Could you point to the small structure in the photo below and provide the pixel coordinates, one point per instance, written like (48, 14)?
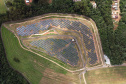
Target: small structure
(114, 14)
(107, 60)
(27, 2)
(93, 4)
(73, 40)
(115, 5)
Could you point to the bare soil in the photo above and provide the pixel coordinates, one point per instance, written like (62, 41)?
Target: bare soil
(51, 77)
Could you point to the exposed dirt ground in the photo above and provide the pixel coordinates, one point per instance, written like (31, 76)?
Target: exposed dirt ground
(51, 77)
(51, 33)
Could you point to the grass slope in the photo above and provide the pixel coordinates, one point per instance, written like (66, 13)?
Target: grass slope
(113, 75)
(2, 7)
(31, 65)
(8, 75)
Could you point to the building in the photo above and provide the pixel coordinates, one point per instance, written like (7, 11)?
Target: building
(73, 40)
(115, 5)
(114, 16)
(115, 12)
(107, 60)
(93, 4)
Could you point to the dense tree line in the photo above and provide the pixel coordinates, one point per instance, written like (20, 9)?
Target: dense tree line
(120, 33)
(102, 17)
(113, 42)
(116, 40)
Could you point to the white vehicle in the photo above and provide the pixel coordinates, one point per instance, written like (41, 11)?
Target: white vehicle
(27, 1)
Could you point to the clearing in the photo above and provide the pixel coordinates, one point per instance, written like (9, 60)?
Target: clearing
(113, 75)
(2, 7)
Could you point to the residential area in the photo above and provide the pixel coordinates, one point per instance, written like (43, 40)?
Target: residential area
(116, 10)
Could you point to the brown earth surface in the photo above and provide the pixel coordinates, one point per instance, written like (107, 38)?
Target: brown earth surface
(51, 77)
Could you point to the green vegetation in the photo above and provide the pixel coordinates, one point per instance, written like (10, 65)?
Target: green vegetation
(111, 48)
(54, 59)
(113, 75)
(51, 34)
(2, 7)
(113, 42)
(25, 60)
(35, 35)
(8, 75)
(51, 31)
(120, 33)
(16, 59)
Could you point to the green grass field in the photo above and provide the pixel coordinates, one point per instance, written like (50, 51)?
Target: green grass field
(114, 75)
(29, 64)
(2, 7)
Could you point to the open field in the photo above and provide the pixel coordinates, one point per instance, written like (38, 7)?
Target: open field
(113, 75)
(2, 7)
(32, 66)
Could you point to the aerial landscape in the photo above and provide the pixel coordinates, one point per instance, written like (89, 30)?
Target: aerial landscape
(63, 41)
